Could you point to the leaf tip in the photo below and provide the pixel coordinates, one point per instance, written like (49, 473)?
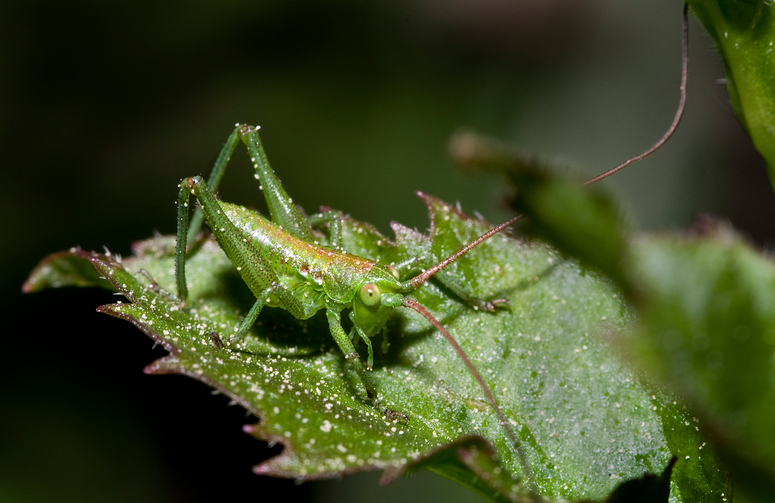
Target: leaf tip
(164, 365)
(262, 469)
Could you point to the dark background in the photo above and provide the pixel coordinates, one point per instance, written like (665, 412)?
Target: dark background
(105, 106)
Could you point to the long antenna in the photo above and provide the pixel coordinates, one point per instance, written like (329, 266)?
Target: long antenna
(426, 275)
(412, 304)
(678, 113)
(429, 273)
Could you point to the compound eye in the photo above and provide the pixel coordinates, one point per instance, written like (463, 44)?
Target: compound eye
(370, 294)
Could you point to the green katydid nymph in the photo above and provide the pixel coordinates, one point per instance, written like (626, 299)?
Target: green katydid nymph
(285, 267)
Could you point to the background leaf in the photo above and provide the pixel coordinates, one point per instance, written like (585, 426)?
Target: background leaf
(744, 32)
(708, 311)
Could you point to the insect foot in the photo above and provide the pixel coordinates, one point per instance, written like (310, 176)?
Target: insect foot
(394, 415)
(494, 305)
(216, 340)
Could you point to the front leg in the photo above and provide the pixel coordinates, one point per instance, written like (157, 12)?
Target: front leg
(458, 286)
(463, 290)
(334, 220)
(346, 345)
(366, 339)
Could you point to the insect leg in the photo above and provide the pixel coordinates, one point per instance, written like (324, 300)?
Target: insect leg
(366, 339)
(252, 266)
(408, 266)
(215, 180)
(252, 315)
(458, 286)
(370, 361)
(181, 243)
(462, 290)
(334, 221)
(281, 208)
(346, 345)
(385, 341)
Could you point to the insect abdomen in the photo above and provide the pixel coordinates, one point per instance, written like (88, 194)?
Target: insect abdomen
(303, 267)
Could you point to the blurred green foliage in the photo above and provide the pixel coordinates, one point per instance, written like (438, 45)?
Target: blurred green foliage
(744, 33)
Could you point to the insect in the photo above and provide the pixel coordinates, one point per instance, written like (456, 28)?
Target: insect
(284, 266)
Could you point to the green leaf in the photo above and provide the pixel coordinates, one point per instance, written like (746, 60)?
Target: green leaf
(744, 31)
(708, 310)
(67, 268)
(585, 422)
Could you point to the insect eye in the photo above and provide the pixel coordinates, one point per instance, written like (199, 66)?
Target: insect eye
(370, 294)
